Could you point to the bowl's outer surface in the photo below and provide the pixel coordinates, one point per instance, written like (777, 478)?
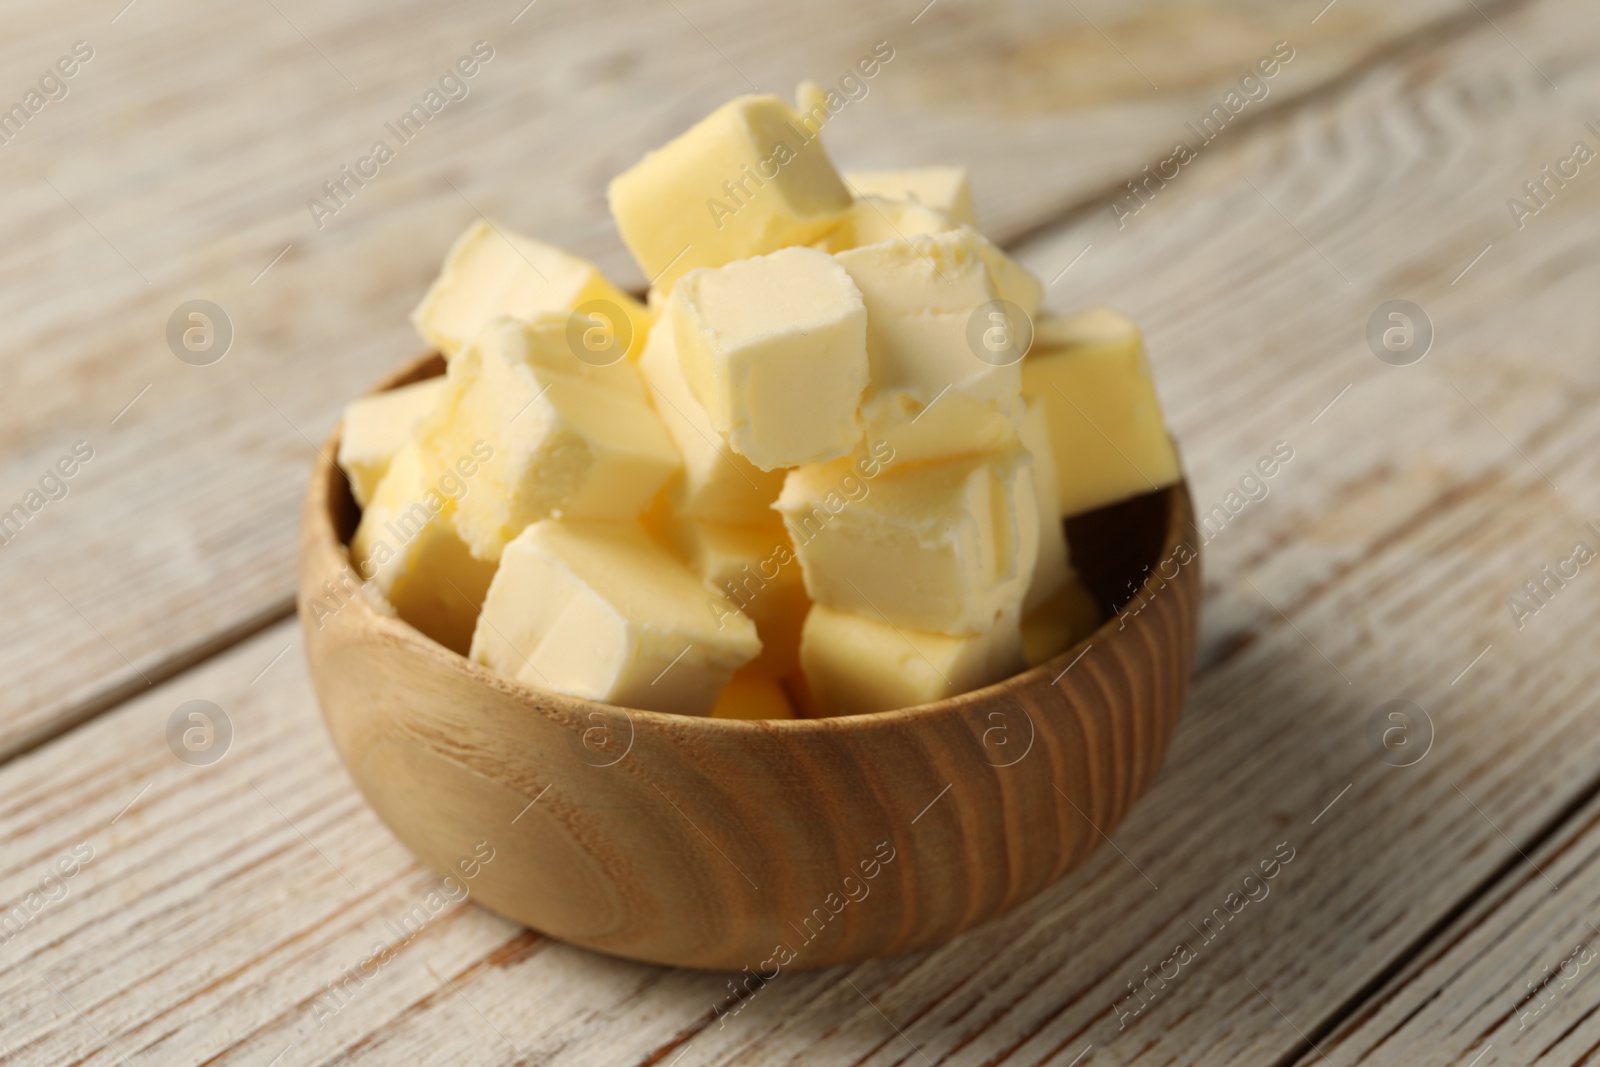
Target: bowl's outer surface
(725, 844)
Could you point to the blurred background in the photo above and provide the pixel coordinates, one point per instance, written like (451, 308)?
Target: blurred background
(1131, 152)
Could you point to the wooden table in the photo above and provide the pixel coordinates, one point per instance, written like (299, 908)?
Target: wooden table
(1441, 902)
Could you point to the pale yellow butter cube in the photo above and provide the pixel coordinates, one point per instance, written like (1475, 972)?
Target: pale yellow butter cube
(571, 440)
(1015, 282)
(749, 178)
(873, 220)
(945, 189)
(752, 569)
(378, 426)
(492, 271)
(599, 610)
(860, 663)
(715, 483)
(1100, 327)
(1100, 401)
(1053, 568)
(775, 348)
(947, 546)
(937, 388)
(753, 694)
(407, 548)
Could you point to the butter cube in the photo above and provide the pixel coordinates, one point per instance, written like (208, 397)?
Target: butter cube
(947, 546)
(751, 569)
(599, 610)
(492, 271)
(860, 663)
(945, 189)
(570, 439)
(406, 547)
(753, 694)
(1068, 616)
(873, 220)
(376, 427)
(1100, 402)
(1100, 327)
(749, 178)
(1053, 568)
(775, 348)
(715, 482)
(936, 389)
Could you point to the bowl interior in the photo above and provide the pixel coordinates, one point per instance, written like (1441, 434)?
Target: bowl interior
(1113, 548)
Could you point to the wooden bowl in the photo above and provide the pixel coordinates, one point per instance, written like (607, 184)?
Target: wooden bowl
(762, 845)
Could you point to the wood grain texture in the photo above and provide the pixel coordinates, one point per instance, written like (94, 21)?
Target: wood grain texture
(242, 890)
(1414, 507)
(758, 846)
(1510, 981)
(181, 162)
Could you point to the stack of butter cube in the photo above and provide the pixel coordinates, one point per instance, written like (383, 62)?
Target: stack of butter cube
(811, 473)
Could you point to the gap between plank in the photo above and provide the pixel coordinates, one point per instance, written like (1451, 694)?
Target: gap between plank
(1550, 829)
(163, 671)
(1435, 35)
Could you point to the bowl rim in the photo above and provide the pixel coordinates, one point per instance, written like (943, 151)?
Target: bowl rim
(324, 536)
